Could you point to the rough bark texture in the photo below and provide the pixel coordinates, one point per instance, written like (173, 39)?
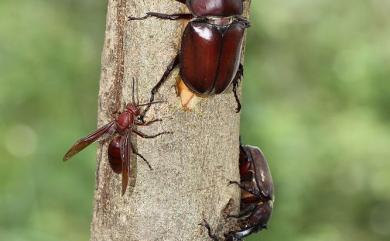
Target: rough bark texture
(192, 167)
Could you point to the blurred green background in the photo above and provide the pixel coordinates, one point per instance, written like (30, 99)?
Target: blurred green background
(316, 99)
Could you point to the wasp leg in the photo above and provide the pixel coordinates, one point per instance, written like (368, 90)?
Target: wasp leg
(143, 135)
(140, 123)
(142, 157)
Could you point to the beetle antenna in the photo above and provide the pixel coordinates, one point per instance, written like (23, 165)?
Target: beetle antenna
(151, 103)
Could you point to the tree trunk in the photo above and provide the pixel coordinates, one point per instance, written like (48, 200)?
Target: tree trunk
(191, 167)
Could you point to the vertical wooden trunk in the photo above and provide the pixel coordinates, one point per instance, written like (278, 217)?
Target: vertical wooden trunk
(191, 168)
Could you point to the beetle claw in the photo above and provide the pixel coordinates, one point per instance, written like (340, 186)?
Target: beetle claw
(207, 226)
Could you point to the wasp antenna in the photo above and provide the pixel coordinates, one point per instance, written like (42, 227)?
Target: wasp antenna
(137, 92)
(132, 94)
(152, 103)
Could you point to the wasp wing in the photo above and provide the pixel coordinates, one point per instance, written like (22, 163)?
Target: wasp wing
(91, 138)
(125, 155)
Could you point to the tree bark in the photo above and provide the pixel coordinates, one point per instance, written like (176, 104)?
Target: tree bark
(191, 167)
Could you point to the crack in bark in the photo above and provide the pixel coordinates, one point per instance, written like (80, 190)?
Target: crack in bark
(120, 54)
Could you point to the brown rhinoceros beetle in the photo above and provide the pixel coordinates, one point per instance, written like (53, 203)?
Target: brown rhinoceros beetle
(210, 54)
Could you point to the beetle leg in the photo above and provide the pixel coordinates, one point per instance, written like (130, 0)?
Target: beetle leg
(236, 81)
(143, 135)
(181, 1)
(243, 213)
(237, 236)
(210, 233)
(175, 16)
(232, 237)
(243, 21)
(243, 188)
(155, 89)
(141, 156)
(140, 123)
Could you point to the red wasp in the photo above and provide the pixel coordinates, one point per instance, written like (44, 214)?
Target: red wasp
(119, 131)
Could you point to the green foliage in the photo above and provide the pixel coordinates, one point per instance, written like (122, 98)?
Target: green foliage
(48, 49)
(316, 99)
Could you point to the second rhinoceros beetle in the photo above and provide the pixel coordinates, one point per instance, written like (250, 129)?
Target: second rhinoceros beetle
(257, 195)
(210, 54)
